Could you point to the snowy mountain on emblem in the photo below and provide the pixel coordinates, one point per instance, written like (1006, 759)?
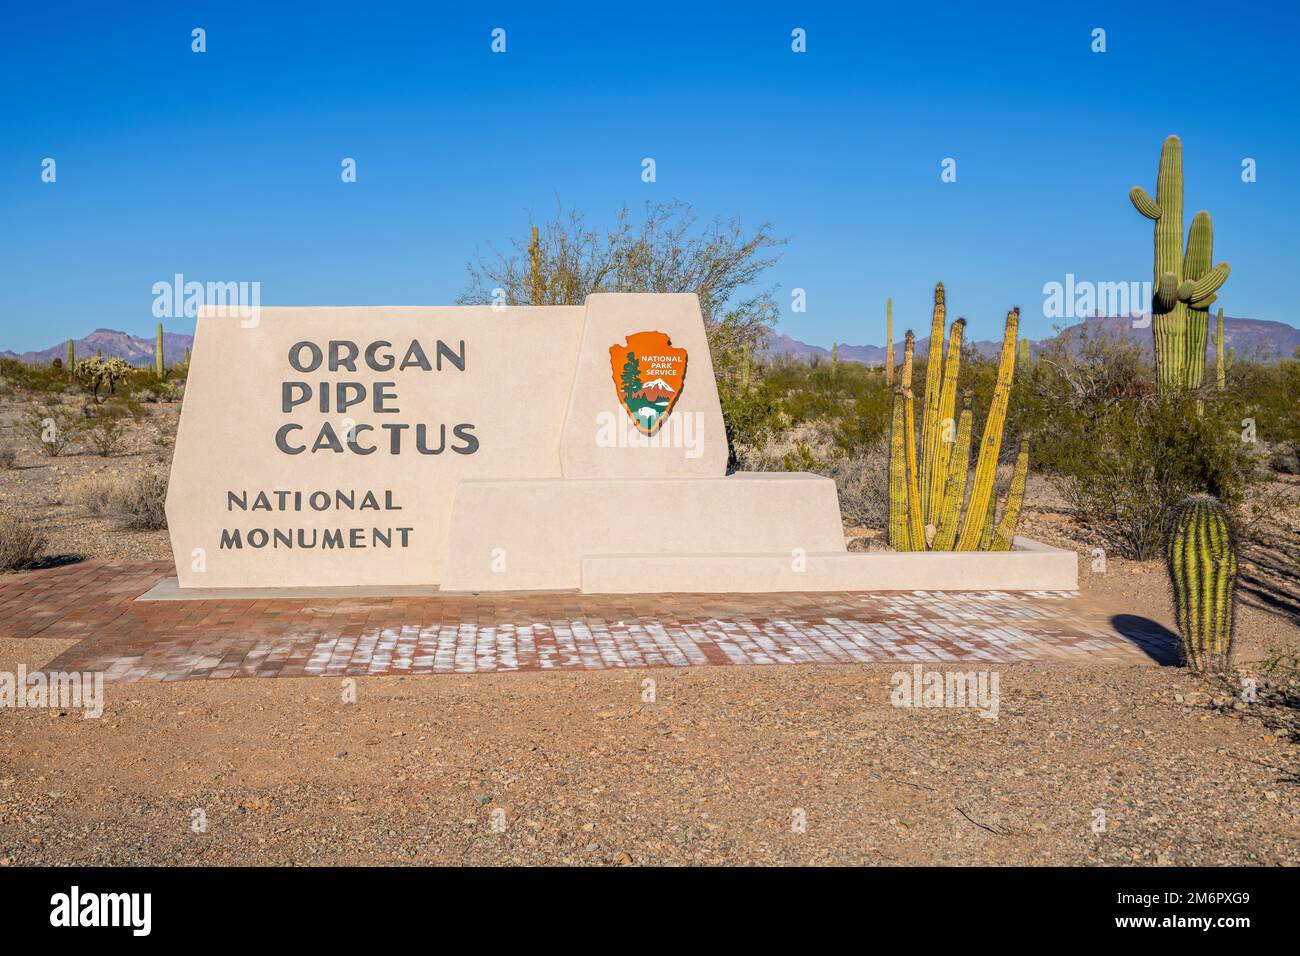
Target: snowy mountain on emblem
(656, 385)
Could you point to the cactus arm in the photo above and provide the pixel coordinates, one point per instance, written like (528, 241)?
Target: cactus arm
(930, 415)
(909, 344)
(898, 534)
(954, 490)
(915, 527)
(1006, 533)
(991, 440)
(1166, 293)
(1143, 202)
(1202, 291)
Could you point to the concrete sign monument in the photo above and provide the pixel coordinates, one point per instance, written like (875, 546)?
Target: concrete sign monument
(481, 448)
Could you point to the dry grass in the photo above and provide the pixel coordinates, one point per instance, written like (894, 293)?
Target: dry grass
(21, 543)
(136, 501)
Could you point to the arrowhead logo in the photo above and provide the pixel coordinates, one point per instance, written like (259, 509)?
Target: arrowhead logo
(648, 377)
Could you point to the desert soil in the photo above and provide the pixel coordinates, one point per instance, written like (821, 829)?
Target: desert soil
(1085, 764)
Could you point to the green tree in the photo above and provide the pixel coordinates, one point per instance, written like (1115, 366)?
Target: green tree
(666, 249)
(631, 376)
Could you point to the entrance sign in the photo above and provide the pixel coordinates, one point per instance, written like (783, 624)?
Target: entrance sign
(483, 449)
(323, 446)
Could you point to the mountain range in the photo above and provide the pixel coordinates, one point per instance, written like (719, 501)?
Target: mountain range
(110, 342)
(1255, 339)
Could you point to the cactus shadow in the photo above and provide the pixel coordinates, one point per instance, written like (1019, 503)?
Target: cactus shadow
(1151, 637)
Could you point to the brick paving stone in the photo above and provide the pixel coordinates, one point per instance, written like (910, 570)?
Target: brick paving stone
(93, 602)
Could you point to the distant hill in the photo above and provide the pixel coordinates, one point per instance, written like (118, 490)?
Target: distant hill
(1254, 339)
(110, 342)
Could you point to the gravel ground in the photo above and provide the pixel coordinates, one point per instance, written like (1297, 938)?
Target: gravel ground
(712, 772)
(579, 769)
(48, 490)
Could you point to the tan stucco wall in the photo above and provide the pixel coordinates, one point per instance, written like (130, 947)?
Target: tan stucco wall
(693, 440)
(533, 535)
(519, 367)
(1032, 567)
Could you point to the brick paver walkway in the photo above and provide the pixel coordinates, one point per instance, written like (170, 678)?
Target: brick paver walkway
(94, 603)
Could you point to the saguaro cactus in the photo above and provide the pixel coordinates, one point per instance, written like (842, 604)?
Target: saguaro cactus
(889, 342)
(159, 369)
(1183, 283)
(1220, 370)
(1201, 552)
(71, 363)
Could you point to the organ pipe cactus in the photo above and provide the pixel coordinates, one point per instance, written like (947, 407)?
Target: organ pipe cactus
(972, 532)
(954, 488)
(1201, 553)
(930, 417)
(944, 425)
(1006, 532)
(889, 342)
(1185, 284)
(944, 462)
(915, 527)
(897, 531)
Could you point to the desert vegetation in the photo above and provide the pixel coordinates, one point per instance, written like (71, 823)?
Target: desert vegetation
(84, 449)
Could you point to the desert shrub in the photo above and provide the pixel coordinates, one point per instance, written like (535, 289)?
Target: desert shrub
(7, 457)
(21, 543)
(97, 494)
(105, 429)
(1121, 466)
(34, 378)
(862, 481)
(749, 417)
(51, 428)
(136, 501)
(142, 502)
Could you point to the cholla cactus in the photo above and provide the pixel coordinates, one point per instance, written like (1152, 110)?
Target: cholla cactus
(97, 373)
(1201, 553)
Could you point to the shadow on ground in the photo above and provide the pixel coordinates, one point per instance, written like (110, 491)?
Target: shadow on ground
(55, 561)
(1270, 577)
(1151, 637)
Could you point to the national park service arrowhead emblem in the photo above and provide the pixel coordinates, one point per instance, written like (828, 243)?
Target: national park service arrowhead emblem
(648, 377)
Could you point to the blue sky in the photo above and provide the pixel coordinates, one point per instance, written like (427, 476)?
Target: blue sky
(225, 165)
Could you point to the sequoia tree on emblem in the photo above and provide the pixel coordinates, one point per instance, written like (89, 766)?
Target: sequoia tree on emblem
(648, 377)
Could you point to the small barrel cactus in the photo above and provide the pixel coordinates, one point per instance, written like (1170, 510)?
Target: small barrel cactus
(1201, 552)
